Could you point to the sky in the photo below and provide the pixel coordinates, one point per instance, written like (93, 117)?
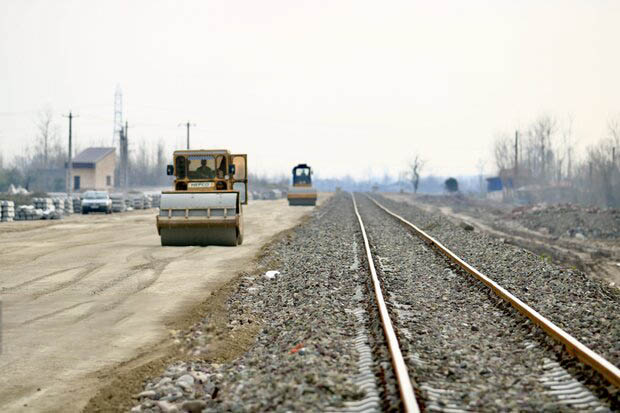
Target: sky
(351, 87)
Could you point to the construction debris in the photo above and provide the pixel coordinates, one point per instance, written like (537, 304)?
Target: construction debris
(569, 220)
(17, 191)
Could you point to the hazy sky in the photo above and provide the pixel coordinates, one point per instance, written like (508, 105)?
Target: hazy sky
(348, 86)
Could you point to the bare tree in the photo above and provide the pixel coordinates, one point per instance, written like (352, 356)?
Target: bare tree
(541, 151)
(503, 152)
(548, 155)
(46, 134)
(402, 180)
(480, 166)
(613, 130)
(160, 165)
(568, 148)
(415, 167)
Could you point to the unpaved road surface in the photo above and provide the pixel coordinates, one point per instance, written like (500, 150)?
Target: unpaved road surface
(89, 292)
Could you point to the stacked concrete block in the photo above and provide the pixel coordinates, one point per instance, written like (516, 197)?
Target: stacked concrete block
(7, 211)
(43, 203)
(77, 204)
(147, 201)
(43, 208)
(156, 200)
(68, 206)
(55, 213)
(118, 202)
(59, 205)
(138, 201)
(28, 213)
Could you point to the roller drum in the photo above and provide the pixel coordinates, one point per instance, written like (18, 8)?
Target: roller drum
(301, 195)
(199, 218)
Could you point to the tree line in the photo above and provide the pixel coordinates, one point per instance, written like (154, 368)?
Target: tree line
(42, 166)
(540, 163)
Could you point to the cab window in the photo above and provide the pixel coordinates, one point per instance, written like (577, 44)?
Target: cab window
(180, 167)
(302, 176)
(239, 163)
(201, 167)
(221, 167)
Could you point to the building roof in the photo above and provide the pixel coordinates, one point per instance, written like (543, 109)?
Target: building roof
(92, 155)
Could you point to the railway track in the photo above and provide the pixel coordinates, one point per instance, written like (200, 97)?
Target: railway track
(458, 341)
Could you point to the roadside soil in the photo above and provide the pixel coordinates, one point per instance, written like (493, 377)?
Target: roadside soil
(599, 258)
(88, 299)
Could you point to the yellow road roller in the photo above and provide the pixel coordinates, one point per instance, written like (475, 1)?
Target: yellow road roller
(205, 206)
(302, 192)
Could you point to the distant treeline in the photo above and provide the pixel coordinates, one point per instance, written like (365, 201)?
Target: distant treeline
(428, 184)
(541, 161)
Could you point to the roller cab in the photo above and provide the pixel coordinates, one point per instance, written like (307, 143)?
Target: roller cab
(302, 192)
(205, 206)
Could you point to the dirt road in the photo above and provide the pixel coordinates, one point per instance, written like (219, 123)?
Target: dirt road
(88, 292)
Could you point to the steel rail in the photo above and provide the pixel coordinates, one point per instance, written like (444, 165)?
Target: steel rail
(572, 345)
(400, 367)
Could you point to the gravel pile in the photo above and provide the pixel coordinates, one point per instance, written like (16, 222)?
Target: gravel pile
(584, 307)
(463, 345)
(462, 203)
(570, 220)
(296, 311)
(7, 211)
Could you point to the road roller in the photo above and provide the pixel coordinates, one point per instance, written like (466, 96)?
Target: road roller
(205, 206)
(302, 192)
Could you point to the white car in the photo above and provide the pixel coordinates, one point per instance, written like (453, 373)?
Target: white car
(93, 201)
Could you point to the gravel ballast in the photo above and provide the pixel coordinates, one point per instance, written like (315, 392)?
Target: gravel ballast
(296, 317)
(585, 307)
(303, 357)
(461, 342)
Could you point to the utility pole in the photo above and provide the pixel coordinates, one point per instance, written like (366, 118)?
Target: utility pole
(187, 125)
(542, 158)
(124, 156)
(118, 116)
(516, 171)
(69, 183)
